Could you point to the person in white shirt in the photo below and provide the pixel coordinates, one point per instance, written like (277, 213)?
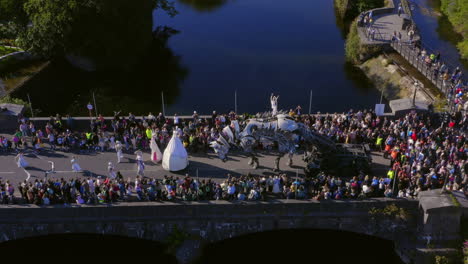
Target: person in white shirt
(111, 170)
(75, 166)
(176, 119)
(118, 149)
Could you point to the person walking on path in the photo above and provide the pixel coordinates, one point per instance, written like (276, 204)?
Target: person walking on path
(75, 166)
(400, 8)
(118, 149)
(111, 170)
(21, 161)
(140, 163)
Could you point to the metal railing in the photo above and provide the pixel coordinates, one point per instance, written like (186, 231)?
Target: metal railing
(430, 70)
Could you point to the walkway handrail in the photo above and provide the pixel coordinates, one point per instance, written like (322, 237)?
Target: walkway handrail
(411, 54)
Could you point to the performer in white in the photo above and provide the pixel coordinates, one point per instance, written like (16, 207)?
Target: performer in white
(118, 148)
(175, 156)
(111, 170)
(75, 166)
(274, 104)
(156, 155)
(21, 161)
(140, 163)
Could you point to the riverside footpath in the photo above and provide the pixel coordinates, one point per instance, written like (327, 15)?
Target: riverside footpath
(393, 28)
(400, 199)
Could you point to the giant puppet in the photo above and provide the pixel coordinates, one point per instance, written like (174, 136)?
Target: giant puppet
(321, 153)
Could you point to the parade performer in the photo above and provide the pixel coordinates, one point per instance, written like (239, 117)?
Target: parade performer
(111, 170)
(75, 166)
(175, 156)
(140, 163)
(156, 155)
(118, 148)
(20, 160)
(274, 104)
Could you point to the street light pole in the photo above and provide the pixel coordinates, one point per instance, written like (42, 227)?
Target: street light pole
(416, 84)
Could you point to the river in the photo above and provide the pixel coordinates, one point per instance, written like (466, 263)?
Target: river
(281, 246)
(219, 49)
(254, 48)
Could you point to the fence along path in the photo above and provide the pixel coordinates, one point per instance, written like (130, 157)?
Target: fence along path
(386, 22)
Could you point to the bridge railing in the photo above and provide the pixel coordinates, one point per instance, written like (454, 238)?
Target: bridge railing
(413, 55)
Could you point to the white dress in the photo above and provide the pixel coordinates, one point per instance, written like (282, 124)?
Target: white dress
(156, 154)
(118, 148)
(140, 163)
(21, 161)
(111, 171)
(276, 185)
(75, 166)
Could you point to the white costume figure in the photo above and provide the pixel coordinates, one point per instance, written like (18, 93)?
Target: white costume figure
(118, 148)
(21, 161)
(140, 163)
(274, 104)
(156, 155)
(111, 170)
(276, 185)
(175, 156)
(112, 142)
(75, 166)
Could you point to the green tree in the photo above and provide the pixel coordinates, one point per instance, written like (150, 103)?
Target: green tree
(12, 10)
(113, 33)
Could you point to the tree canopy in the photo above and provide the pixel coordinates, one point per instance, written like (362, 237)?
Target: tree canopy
(110, 32)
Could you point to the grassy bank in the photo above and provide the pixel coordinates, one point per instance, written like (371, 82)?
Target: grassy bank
(355, 52)
(7, 50)
(14, 72)
(349, 9)
(353, 47)
(457, 13)
(395, 83)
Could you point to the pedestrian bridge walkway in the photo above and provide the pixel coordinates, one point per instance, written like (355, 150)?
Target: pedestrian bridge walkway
(386, 21)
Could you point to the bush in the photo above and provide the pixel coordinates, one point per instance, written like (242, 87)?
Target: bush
(10, 100)
(457, 12)
(353, 47)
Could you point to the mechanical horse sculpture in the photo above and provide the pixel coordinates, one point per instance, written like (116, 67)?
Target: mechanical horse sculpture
(321, 154)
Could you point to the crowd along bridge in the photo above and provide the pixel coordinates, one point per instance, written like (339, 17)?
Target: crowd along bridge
(386, 22)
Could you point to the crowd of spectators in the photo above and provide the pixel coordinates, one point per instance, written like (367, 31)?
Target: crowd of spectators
(425, 153)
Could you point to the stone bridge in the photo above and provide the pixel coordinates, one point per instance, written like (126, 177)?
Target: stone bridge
(206, 222)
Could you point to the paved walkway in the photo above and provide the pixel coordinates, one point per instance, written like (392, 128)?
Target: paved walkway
(385, 25)
(208, 166)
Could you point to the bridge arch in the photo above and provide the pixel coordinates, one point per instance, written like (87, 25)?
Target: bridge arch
(292, 245)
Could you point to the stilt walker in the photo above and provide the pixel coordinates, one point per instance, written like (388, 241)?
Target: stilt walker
(140, 163)
(75, 166)
(118, 149)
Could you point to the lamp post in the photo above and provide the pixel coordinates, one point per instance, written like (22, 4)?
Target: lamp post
(416, 85)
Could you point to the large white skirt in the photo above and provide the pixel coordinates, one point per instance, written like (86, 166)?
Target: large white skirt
(22, 163)
(76, 167)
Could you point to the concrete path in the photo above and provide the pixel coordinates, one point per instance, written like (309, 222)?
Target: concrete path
(95, 164)
(385, 25)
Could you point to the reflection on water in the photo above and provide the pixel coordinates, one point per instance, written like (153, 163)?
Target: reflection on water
(204, 5)
(301, 246)
(256, 47)
(64, 89)
(85, 248)
(437, 32)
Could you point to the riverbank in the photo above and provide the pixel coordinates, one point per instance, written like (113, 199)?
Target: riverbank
(390, 79)
(457, 13)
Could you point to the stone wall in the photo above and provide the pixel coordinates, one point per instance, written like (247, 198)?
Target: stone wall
(210, 221)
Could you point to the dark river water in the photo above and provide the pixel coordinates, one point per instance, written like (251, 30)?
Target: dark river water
(214, 49)
(254, 47)
(262, 46)
(283, 246)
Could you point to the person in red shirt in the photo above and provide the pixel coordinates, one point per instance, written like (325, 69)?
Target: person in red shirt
(414, 135)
